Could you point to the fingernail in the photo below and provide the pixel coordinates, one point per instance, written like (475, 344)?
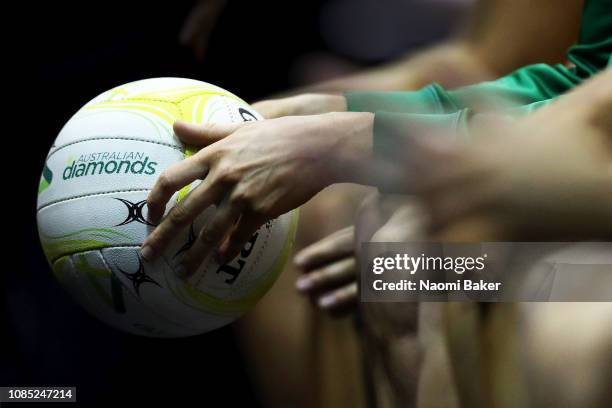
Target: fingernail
(303, 283)
(299, 259)
(147, 252)
(327, 301)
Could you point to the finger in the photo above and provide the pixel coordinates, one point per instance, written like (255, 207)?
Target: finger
(206, 134)
(330, 277)
(182, 214)
(210, 236)
(339, 302)
(173, 179)
(335, 246)
(242, 232)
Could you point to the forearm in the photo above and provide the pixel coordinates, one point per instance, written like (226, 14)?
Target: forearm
(401, 114)
(501, 33)
(393, 129)
(351, 156)
(452, 63)
(563, 177)
(528, 85)
(496, 39)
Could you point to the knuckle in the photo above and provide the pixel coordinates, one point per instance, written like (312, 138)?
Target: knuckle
(240, 197)
(226, 172)
(259, 208)
(165, 182)
(178, 215)
(155, 241)
(209, 156)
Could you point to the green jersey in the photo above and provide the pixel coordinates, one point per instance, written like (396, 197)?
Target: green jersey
(521, 91)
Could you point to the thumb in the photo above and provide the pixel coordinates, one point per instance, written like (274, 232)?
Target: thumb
(205, 134)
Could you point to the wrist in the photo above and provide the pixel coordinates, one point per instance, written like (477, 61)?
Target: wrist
(351, 152)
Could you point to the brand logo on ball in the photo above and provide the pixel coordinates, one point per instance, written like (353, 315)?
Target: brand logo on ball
(139, 277)
(246, 115)
(98, 163)
(134, 212)
(233, 268)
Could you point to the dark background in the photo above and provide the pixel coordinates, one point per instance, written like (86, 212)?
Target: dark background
(77, 50)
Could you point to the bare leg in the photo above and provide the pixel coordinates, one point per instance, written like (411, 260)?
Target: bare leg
(298, 356)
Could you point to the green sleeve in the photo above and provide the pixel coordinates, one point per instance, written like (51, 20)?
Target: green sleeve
(431, 99)
(398, 113)
(393, 132)
(528, 85)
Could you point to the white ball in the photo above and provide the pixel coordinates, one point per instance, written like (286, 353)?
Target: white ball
(92, 213)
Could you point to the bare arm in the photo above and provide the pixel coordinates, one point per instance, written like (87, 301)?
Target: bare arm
(499, 36)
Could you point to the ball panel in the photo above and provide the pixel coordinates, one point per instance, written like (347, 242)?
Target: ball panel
(146, 120)
(94, 221)
(97, 289)
(119, 220)
(152, 284)
(168, 89)
(255, 278)
(217, 109)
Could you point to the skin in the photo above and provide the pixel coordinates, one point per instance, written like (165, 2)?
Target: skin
(406, 359)
(564, 146)
(258, 189)
(470, 57)
(473, 54)
(329, 270)
(254, 172)
(548, 175)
